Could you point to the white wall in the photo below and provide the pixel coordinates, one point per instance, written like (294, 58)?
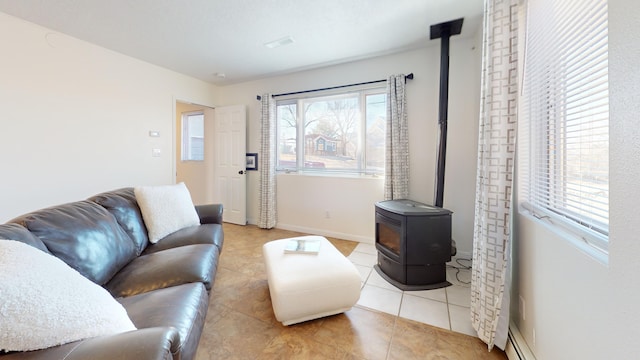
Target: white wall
(75, 118)
(303, 200)
(75, 121)
(578, 307)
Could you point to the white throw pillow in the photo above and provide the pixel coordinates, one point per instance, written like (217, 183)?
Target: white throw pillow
(44, 302)
(166, 209)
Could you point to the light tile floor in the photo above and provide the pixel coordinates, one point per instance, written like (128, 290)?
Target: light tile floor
(447, 308)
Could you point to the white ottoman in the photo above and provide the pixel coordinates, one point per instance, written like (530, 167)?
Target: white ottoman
(309, 286)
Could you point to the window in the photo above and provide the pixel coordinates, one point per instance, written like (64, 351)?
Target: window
(193, 136)
(564, 128)
(338, 133)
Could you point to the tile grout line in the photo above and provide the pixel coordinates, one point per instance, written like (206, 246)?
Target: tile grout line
(403, 293)
(393, 332)
(397, 315)
(446, 297)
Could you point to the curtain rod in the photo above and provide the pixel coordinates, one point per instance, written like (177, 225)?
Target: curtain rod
(409, 76)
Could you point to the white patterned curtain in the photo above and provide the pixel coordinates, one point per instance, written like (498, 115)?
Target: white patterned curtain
(396, 178)
(496, 155)
(267, 163)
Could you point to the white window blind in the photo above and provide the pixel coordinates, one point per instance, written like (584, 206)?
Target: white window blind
(564, 117)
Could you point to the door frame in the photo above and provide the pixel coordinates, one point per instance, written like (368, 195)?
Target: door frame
(174, 140)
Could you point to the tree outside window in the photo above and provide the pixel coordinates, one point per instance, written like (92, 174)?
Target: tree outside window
(341, 133)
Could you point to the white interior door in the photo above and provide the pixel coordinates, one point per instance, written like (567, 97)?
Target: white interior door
(229, 186)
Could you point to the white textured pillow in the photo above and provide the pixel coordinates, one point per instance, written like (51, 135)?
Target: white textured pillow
(44, 302)
(166, 209)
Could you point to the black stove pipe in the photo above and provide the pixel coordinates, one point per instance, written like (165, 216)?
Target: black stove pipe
(443, 31)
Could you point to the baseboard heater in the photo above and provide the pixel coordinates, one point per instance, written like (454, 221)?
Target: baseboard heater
(517, 348)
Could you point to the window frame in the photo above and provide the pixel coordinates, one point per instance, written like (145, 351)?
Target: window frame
(544, 142)
(186, 139)
(361, 155)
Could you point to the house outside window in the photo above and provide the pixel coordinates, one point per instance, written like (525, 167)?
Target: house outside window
(333, 133)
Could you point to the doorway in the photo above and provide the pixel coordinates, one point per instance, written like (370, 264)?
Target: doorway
(211, 160)
(192, 153)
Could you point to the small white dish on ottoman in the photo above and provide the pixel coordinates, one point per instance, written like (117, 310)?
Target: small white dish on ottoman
(309, 286)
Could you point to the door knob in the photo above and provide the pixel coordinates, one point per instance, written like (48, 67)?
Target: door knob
(241, 172)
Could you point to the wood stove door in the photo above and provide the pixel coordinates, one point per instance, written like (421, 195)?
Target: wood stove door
(389, 236)
(389, 243)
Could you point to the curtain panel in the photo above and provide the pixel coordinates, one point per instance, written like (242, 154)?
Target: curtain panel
(396, 179)
(267, 215)
(496, 155)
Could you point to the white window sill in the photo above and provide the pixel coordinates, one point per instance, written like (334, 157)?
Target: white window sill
(330, 175)
(574, 238)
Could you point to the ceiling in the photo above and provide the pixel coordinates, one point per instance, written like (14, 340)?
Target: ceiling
(206, 38)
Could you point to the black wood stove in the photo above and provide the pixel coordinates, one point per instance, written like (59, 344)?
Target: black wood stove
(414, 244)
(413, 239)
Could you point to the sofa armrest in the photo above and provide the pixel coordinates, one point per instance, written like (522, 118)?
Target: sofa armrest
(157, 343)
(210, 213)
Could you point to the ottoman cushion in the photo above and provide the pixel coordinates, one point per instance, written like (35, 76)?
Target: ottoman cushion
(309, 286)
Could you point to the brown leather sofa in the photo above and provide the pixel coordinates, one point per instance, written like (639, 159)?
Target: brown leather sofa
(164, 287)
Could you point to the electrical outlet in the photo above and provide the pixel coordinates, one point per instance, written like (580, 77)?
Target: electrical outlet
(327, 214)
(522, 308)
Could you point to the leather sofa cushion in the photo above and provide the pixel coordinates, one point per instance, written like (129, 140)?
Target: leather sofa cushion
(122, 204)
(185, 264)
(85, 236)
(183, 307)
(20, 233)
(211, 234)
(158, 343)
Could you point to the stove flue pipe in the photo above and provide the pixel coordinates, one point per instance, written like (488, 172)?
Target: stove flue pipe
(443, 31)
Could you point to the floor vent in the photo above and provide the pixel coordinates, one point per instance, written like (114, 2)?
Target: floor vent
(517, 348)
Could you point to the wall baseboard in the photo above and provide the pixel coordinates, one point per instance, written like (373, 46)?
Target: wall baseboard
(324, 232)
(344, 236)
(517, 348)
